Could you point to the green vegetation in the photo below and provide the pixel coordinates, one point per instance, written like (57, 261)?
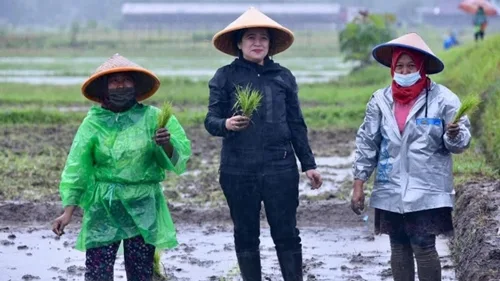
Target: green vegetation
(474, 70)
(157, 267)
(358, 37)
(165, 114)
(37, 116)
(158, 43)
(247, 100)
(468, 107)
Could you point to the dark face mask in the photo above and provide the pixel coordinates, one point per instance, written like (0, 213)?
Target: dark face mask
(120, 99)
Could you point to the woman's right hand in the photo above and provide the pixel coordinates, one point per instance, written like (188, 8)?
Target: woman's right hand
(452, 130)
(237, 123)
(358, 197)
(62, 221)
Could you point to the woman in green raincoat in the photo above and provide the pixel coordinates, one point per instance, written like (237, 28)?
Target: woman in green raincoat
(114, 169)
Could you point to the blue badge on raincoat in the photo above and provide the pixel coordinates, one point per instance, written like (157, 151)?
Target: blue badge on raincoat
(429, 121)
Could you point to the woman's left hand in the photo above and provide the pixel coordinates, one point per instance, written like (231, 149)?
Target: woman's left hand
(162, 137)
(452, 130)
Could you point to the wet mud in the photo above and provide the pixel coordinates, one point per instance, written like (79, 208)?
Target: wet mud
(476, 245)
(207, 253)
(32, 158)
(337, 244)
(34, 140)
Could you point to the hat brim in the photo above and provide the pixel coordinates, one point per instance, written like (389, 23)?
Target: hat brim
(383, 54)
(146, 83)
(282, 39)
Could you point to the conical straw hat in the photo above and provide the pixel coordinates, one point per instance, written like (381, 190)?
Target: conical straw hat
(383, 52)
(253, 18)
(146, 83)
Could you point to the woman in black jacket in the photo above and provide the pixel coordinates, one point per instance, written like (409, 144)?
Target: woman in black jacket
(258, 155)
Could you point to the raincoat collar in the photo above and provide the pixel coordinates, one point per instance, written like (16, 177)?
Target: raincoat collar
(390, 99)
(388, 111)
(269, 64)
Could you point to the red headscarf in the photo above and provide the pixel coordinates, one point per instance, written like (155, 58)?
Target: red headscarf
(405, 95)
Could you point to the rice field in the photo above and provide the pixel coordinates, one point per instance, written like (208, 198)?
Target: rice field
(41, 107)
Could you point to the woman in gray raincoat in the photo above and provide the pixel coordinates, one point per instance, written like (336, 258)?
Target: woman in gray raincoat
(409, 137)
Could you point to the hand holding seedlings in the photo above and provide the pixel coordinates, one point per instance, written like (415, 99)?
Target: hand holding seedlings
(162, 136)
(237, 123)
(452, 130)
(468, 106)
(247, 100)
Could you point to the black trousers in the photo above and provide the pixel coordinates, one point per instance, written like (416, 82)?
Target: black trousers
(280, 194)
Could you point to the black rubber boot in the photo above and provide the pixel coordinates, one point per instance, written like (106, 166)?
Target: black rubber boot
(428, 264)
(291, 265)
(402, 262)
(249, 263)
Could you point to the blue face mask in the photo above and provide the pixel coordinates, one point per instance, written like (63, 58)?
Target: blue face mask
(407, 80)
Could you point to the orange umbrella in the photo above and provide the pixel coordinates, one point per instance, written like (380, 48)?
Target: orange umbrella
(471, 6)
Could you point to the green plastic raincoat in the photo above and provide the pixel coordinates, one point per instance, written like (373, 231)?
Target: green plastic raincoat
(113, 172)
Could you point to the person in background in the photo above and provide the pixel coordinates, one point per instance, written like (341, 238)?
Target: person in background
(480, 23)
(450, 41)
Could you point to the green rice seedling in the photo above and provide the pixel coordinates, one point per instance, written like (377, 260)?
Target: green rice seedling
(469, 105)
(157, 272)
(165, 114)
(247, 100)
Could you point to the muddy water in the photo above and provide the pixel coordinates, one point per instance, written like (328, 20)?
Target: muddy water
(90, 63)
(195, 75)
(44, 80)
(334, 170)
(72, 71)
(207, 254)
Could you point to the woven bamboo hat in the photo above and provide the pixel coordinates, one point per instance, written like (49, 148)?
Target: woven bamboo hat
(253, 18)
(146, 82)
(383, 52)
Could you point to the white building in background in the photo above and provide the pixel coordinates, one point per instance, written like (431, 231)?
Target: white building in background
(212, 16)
